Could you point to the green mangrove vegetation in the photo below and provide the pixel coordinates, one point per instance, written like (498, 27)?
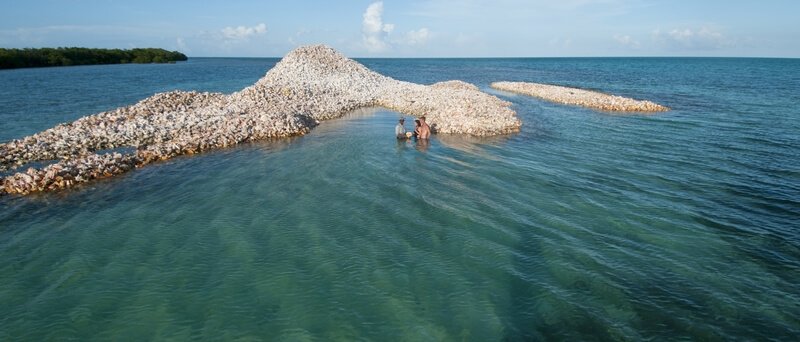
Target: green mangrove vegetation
(64, 56)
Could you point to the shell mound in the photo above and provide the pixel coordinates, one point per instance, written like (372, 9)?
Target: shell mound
(580, 97)
(309, 84)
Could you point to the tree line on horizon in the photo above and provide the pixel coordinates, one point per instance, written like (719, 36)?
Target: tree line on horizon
(66, 56)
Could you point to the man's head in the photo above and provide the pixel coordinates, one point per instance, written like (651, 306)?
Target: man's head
(402, 120)
(422, 118)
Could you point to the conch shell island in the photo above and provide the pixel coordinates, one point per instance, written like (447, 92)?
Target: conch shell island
(309, 84)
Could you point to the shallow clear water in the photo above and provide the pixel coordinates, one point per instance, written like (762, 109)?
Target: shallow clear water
(584, 226)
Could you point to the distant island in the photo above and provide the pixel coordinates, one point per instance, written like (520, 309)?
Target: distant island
(65, 56)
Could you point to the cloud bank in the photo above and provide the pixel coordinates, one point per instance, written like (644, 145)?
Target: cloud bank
(679, 40)
(243, 32)
(703, 38)
(417, 37)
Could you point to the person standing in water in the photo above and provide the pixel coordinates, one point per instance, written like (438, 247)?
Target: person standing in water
(424, 129)
(400, 129)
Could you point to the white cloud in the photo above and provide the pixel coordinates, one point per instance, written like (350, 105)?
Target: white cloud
(627, 41)
(374, 31)
(417, 37)
(243, 32)
(693, 39)
(228, 41)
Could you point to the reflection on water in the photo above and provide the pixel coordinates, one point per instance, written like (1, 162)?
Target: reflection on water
(422, 145)
(473, 144)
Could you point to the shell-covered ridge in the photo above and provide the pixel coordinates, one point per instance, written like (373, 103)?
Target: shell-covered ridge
(580, 97)
(309, 84)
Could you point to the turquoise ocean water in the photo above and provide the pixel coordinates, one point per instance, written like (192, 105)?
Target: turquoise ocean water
(583, 226)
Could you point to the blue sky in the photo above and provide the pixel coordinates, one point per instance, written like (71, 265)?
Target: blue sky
(416, 28)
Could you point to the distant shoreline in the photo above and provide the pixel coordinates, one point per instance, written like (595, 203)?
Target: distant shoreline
(69, 56)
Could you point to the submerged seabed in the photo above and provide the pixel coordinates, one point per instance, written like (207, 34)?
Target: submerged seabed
(583, 226)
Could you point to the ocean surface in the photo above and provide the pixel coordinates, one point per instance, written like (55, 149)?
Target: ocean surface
(583, 226)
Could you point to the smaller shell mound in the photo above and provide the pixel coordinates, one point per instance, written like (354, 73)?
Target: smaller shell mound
(580, 97)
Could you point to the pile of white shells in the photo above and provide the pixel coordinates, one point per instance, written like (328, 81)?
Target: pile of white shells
(67, 173)
(580, 97)
(310, 84)
(452, 107)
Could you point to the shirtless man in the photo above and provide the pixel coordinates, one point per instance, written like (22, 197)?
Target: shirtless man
(424, 129)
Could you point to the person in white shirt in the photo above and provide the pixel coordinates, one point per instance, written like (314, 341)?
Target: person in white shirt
(400, 129)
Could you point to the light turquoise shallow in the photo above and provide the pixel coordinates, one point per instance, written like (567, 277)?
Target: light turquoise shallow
(584, 226)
